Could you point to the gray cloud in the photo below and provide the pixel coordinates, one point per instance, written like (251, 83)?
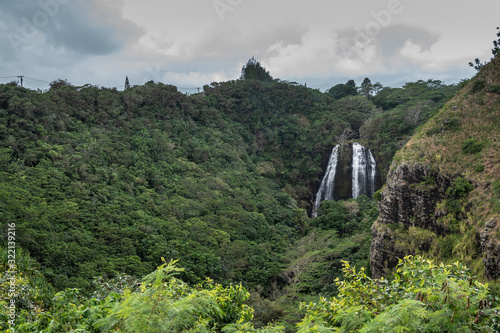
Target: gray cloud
(187, 43)
(74, 32)
(254, 41)
(392, 38)
(66, 24)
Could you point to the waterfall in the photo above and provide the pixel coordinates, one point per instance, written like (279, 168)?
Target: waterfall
(364, 170)
(326, 187)
(372, 169)
(362, 174)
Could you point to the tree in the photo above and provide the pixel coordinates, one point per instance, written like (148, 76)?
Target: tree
(254, 71)
(496, 44)
(59, 83)
(477, 64)
(342, 90)
(413, 115)
(366, 88)
(377, 86)
(343, 137)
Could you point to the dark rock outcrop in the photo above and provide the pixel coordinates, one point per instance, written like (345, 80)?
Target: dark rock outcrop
(408, 200)
(491, 249)
(343, 179)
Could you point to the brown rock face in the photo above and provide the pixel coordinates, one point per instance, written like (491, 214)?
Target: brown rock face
(491, 249)
(409, 199)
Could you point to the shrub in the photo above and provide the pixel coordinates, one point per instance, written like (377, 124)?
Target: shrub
(478, 86)
(433, 131)
(453, 206)
(496, 188)
(479, 168)
(420, 297)
(453, 124)
(459, 188)
(471, 146)
(494, 89)
(167, 304)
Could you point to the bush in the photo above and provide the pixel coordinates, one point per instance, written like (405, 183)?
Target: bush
(167, 304)
(433, 131)
(478, 86)
(453, 206)
(479, 168)
(494, 89)
(453, 124)
(496, 188)
(471, 146)
(420, 297)
(459, 188)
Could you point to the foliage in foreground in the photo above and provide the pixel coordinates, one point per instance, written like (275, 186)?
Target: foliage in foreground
(421, 297)
(163, 303)
(166, 304)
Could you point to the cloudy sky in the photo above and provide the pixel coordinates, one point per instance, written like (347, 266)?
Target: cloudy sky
(190, 43)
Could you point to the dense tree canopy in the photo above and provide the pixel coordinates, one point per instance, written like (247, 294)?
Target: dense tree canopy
(101, 182)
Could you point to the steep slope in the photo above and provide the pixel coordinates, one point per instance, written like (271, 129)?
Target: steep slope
(443, 188)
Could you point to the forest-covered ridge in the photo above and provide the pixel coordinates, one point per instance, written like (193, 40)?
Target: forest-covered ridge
(100, 182)
(122, 164)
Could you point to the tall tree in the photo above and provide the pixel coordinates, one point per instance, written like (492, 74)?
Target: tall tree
(366, 88)
(254, 71)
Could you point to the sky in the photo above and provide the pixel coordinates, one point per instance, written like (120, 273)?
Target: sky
(191, 43)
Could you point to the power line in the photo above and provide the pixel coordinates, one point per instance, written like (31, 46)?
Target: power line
(33, 79)
(23, 78)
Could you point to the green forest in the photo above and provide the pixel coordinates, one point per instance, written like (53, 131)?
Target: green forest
(149, 210)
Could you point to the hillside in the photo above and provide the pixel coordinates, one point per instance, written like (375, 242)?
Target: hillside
(101, 183)
(442, 197)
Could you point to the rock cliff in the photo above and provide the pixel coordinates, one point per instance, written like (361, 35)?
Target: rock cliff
(442, 195)
(408, 200)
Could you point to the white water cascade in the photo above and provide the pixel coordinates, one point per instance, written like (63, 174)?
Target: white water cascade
(364, 170)
(326, 187)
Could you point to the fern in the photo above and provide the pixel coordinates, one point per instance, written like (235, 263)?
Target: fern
(166, 304)
(405, 316)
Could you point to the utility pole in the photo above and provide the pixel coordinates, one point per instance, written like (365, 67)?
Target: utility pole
(21, 78)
